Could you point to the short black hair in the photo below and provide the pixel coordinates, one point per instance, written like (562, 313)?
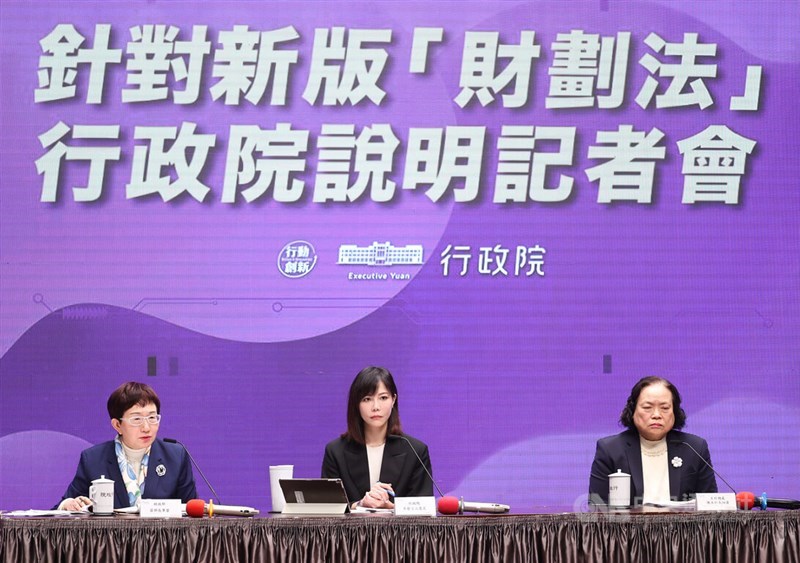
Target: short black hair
(626, 417)
(365, 383)
(129, 394)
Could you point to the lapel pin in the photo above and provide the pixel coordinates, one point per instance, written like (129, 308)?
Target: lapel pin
(161, 470)
(676, 461)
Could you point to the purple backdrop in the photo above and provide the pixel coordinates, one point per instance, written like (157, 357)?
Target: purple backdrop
(510, 378)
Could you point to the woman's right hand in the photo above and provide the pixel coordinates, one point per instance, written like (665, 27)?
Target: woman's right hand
(378, 496)
(74, 504)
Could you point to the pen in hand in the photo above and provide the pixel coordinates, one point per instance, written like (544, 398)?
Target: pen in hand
(380, 495)
(387, 488)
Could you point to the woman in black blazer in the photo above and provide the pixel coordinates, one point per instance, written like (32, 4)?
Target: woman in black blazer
(373, 458)
(664, 463)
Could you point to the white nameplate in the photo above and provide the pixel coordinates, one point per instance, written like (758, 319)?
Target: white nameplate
(716, 501)
(160, 508)
(415, 506)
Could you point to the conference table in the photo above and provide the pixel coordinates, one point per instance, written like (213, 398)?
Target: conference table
(770, 536)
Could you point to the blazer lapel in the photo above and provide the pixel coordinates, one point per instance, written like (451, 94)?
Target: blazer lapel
(152, 481)
(357, 465)
(633, 451)
(394, 458)
(113, 472)
(674, 449)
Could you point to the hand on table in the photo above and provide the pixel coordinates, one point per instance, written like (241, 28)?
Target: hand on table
(379, 496)
(74, 504)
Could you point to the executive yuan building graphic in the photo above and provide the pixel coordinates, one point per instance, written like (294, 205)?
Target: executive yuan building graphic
(381, 254)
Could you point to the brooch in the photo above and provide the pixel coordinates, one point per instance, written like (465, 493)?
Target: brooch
(676, 461)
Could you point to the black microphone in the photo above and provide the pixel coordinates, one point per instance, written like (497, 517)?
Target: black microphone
(687, 444)
(786, 503)
(747, 500)
(200, 471)
(419, 459)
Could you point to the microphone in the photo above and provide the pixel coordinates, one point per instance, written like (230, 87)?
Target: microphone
(747, 500)
(419, 459)
(453, 505)
(200, 471)
(196, 508)
(688, 445)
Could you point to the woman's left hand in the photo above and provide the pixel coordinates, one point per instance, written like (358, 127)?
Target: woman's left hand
(378, 496)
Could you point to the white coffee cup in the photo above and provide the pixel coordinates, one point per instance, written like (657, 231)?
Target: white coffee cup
(101, 493)
(619, 490)
(277, 472)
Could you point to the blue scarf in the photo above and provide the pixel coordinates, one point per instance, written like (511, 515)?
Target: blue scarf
(134, 483)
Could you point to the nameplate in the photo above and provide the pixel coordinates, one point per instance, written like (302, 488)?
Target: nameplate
(415, 506)
(160, 508)
(716, 501)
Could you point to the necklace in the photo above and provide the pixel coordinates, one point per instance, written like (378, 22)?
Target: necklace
(653, 449)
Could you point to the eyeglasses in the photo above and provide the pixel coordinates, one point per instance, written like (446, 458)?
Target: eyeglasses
(152, 420)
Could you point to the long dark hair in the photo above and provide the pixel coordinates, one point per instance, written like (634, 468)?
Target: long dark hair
(366, 383)
(626, 417)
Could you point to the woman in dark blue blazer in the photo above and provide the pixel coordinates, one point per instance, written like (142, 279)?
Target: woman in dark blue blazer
(140, 465)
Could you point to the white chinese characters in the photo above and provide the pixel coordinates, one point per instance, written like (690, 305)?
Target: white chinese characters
(348, 66)
(169, 162)
(457, 260)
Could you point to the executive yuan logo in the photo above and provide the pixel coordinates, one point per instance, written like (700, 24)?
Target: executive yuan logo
(380, 254)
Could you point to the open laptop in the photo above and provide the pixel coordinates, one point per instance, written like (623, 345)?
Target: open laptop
(314, 496)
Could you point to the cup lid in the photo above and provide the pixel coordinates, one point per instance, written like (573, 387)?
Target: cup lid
(102, 479)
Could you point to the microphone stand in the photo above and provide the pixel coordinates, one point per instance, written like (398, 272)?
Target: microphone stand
(200, 471)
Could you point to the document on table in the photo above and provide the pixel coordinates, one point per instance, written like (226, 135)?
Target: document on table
(365, 510)
(41, 513)
(673, 504)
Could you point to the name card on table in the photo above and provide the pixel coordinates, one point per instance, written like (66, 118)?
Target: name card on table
(415, 506)
(716, 501)
(160, 508)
